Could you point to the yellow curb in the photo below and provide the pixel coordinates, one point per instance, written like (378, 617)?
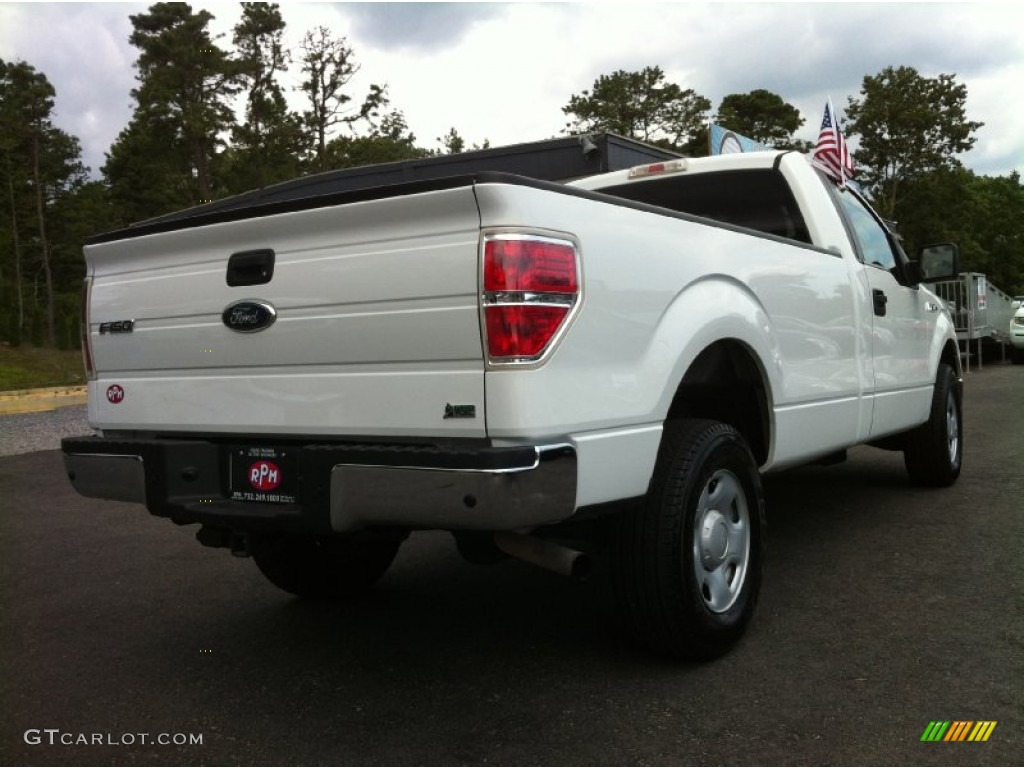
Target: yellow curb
(39, 400)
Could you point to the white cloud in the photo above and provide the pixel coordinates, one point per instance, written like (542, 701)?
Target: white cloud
(502, 71)
(83, 50)
(423, 27)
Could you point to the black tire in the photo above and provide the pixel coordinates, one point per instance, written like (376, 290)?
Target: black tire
(1017, 356)
(322, 566)
(681, 593)
(934, 451)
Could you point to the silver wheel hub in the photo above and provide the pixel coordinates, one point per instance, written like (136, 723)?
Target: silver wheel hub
(721, 541)
(952, 427)
(714, 539)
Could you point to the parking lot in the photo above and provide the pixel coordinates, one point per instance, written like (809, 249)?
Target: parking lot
(885, 607)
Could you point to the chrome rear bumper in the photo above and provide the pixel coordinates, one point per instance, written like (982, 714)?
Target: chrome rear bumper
(540, 492)
(341, 487)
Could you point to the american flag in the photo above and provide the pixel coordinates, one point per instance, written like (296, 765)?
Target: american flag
(831, 152)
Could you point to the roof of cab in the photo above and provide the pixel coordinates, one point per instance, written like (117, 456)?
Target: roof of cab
(738, 161)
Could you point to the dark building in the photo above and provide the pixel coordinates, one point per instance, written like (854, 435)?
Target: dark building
(559, 160)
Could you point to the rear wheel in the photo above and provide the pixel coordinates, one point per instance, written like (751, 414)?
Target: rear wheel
(687, 563)
(934, 451)
(322, 566)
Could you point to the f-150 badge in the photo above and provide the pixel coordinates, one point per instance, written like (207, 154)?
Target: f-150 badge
(117, 326)
(249, 316)
(459, 411)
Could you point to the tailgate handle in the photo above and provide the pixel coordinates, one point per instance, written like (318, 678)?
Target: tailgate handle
(251, 267)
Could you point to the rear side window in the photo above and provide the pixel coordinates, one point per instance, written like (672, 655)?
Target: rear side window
(756, 199)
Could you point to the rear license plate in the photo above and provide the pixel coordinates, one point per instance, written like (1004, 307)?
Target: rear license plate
(263, 475)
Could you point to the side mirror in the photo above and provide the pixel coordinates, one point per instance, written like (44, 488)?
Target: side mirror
(939, 262)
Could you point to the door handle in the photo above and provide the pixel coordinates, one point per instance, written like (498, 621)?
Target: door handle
(880, 300)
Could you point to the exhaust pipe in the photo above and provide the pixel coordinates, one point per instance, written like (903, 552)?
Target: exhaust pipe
(546, 554)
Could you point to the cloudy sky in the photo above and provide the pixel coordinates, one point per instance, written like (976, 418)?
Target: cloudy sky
(502, 71)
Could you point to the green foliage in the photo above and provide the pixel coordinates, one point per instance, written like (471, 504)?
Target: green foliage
(40, 167)
(147, 170)
(85, 212)
(453, 144)
(28, 367)
(998, 204)
(908, 125)
(167, 156)
(984, 215)
(389, 142)
(268, 146)
(762, 116)
(643, 106)
(183, 145)
(911, 130)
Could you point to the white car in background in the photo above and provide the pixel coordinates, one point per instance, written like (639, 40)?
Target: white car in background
(1017, 332)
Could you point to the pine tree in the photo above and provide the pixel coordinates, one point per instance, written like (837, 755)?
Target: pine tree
(390, 141)
(40, 164)
(642, 105)
(183, 107)
(268, 146)
(762, 116)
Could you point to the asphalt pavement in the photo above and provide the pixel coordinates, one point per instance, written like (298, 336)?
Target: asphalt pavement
(885, 607)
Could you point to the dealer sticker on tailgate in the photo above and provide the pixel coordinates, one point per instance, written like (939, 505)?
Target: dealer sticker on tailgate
(265, 475)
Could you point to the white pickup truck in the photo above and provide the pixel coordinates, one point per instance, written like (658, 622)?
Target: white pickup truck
(555, 372)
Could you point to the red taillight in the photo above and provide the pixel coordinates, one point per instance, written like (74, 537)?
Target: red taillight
(531, 284)
(537, 266)
(520, 330)
(90, 369)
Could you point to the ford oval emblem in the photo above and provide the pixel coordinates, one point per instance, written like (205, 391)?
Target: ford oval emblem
(249, 316)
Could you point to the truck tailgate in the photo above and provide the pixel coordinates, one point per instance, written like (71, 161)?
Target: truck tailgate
(377, 326)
